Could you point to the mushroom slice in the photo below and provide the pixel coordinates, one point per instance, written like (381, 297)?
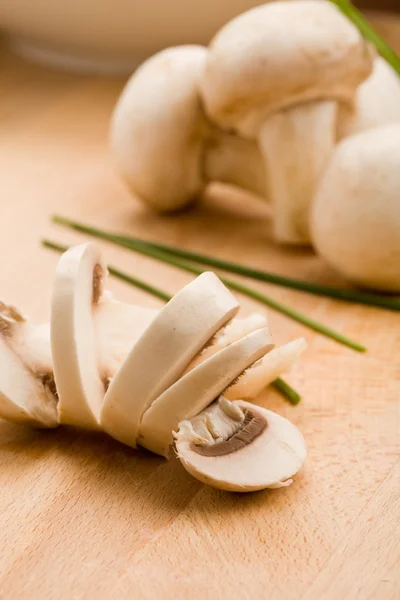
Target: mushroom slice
(234, 331)
(266, 370)
(198, 388)
(27, 390)
(77, 290)
(239, 447)
(161, 355)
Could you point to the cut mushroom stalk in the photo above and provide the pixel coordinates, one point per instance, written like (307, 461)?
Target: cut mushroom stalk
(198, 388)
(296, 145)
(240, 447)
(159, 357)
(27, 390)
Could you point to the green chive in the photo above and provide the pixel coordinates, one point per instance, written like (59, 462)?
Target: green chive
(369, 32)
(348, 295)
(286, 390)
(142, 248)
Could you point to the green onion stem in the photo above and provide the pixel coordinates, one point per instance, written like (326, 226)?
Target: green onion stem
(369, 32)
(348, 295)
(280, 385)
(142, 248)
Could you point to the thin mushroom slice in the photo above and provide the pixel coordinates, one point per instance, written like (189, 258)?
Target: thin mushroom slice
(198, 388)
(27, 391)
(235, 330)
(266, 370)
(165, 349)
(77, 290)
(239, 447)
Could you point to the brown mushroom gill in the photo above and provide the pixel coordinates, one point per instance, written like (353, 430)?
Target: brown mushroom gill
(252, 427)
(98, 274)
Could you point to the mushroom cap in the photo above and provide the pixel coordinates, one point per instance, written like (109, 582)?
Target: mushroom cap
(355, 219)
(377, 101)
(158, 127)
(258, 449)
(161, 354)
(281, 54)
(194, 391)
(77, 290)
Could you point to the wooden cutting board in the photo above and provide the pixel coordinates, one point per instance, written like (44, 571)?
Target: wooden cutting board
(83, 517)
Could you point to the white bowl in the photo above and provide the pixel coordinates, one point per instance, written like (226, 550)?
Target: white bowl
(110, 35)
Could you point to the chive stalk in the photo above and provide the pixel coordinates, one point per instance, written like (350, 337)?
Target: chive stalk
(174, 261)
(349, 295)
(366, 29)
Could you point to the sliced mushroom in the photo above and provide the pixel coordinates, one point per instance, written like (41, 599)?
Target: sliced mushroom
(165, 349)
(27, 390)
(163, 144)
(198, 388)
(266, 370)
(239, 447)
(91, 334)
(235, 330)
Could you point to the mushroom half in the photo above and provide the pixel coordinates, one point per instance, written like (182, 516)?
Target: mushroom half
(27, 389)
(239, 447)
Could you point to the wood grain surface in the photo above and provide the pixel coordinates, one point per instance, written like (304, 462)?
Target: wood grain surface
(83, 517)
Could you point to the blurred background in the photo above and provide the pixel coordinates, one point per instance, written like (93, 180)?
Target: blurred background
(114, 37)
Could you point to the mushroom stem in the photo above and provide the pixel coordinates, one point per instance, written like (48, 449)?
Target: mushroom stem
(296, 144)
(234, 160)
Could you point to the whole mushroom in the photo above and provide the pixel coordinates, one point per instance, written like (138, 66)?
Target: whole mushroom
(277, 74)
(163, 144)
(356, 212)
(377, 101)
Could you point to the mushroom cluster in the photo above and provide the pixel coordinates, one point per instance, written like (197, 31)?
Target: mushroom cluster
(264, 108)
(147, 376)
(260, 108)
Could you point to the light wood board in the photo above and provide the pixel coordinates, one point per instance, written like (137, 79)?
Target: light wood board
(83, 517)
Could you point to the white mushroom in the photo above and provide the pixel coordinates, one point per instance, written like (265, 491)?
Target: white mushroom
(77, 290)
(239, 447)
(91, 334)
(277, 74)
(265, 371)
(198, 388)
(159, 357)
(163, 144)
(356, 212)
(183, 357)
(235, 330)
(377, 101)
(27, 389)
